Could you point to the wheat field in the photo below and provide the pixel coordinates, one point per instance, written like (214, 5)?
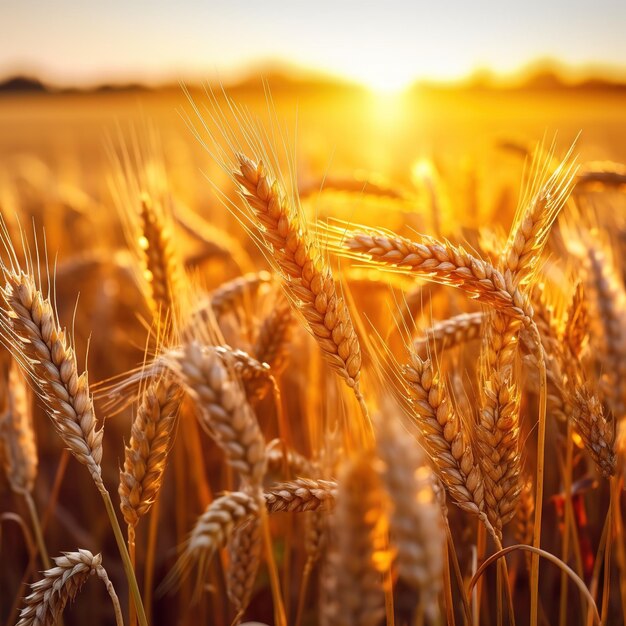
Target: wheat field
(313, 356)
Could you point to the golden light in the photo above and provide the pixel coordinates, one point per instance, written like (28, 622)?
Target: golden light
(422, 170)
(387, 108)
(386, 80)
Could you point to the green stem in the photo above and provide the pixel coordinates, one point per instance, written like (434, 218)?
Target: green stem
(41, 545)
(121, 545)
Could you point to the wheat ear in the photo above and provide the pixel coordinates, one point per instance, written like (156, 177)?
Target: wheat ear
(610, 309)
(145, 456)
(596, 431)
(439, 262)
(532, 225)
(444, 437)
(282, 459)
(255, 375)
(497, 438)
(17, 438)
(244, 550)
(231, 294)
(497, 434)
(30, 329)
(307, 278)
(223, 407)
(33, 334)
(452, 332)
(302, 494)
(210, 532)
(162, 269)
(272, 341)
(62, 583)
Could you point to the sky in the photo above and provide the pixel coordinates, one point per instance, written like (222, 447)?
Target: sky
(381, 44)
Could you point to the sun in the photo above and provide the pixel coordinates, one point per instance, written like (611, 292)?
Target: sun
(386, 79)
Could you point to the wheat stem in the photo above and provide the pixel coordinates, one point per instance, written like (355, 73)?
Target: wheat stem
(546, 555)
(541, 447)
(126, 562)
(41, 544)
(103, 576)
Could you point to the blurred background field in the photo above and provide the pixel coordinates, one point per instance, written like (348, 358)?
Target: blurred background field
(336, 131)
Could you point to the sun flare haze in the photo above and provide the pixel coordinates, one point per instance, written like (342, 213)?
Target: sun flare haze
(381, 45)
(312, 314)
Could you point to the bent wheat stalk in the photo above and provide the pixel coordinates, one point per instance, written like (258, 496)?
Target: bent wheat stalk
(62, 583)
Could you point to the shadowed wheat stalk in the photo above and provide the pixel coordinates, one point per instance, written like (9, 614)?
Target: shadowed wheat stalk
(352, 584)
(415, 522)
